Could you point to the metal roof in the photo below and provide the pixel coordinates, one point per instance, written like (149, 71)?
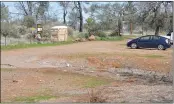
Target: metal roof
(57, 27)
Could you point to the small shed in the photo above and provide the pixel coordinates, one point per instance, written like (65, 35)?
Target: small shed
(59, 33)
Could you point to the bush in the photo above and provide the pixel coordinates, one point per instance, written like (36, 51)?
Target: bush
(97, 38)
(70, 31)
(8, 30)
(28, 21)
(114, 33)
(46, 33)
(100, 34)
(97, 97)
(22, 30)
(83, 35)
(109, 38)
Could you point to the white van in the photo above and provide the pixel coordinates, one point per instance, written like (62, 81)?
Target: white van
(169, 36)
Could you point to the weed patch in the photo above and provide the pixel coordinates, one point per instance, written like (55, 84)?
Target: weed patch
(6, 69)
(19, 46)
(118, 38)
(93, 82)
(34, 98)
(154, 56)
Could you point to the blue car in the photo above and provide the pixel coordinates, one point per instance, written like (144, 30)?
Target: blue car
(150, 41)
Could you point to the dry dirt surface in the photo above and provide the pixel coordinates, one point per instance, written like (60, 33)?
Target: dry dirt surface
(128, 75)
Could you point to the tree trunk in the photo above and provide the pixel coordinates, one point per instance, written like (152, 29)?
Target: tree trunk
(5, 40)
(130, 28)
(81, 17)
(142, 30)
(29, 3)
(30, 39)
(157, 30)
(119, 32)
(64, 17)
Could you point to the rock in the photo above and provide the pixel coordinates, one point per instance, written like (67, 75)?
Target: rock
(65, 70)
(77, 39)
(92, 37)
(82, 39)
(15, 81)
(67, 65)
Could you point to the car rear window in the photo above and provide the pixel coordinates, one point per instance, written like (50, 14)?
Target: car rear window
(156, 37)
(144, 38)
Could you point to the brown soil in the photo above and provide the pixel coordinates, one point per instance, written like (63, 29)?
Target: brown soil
(97, 56)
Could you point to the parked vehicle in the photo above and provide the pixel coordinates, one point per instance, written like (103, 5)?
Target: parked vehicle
(150, 41)
(169, 36)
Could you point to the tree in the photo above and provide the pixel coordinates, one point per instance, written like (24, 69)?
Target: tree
(65, 5)
(32, 9)
(79, 8)
(90, 25)
(73, 20)
(9, 30)
(5, 31)
(4, 12)
(156, 15)
(108, 16)
(130, 14)
(4, 21)
(29, 21)
(143, 12)
(41, 9)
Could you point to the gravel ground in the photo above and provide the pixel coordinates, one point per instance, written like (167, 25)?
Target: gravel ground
(132, 84)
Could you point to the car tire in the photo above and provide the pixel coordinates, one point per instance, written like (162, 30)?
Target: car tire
(161, 47)
(134, 46)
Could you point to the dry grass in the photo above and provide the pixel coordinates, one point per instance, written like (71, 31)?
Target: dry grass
(96, 97)
(99, 63)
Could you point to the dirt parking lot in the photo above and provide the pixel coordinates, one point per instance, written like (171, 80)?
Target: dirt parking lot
(68, 73)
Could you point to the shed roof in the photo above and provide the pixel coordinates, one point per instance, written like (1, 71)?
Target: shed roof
(57, 27)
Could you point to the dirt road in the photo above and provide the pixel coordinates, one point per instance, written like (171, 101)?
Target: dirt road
(94, 59)
(42, 57)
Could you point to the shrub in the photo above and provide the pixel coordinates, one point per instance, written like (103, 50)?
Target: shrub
(97, 38)
(110, 38)
(96, 97)
(70, 31)
(28, 21)
(83, 35)
(22, 30)
(8, 30)
(100, 34)
(114, 33)
(46, 33)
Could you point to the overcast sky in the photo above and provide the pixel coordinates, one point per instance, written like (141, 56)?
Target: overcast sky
(54, 9)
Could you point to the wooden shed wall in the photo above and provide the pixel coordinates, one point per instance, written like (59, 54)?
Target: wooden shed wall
(59, 34)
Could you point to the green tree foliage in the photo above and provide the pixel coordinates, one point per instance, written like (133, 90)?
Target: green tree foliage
(90, 25)
(9, 30)
(32, 10)
(130, 14)
(64, 5)
(4, 12)
(156, 15)
(73, 20)
(29, 21)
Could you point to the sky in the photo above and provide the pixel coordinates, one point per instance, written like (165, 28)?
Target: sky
(53, 9)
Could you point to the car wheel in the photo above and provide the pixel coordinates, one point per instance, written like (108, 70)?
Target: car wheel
(133, 45)
(161, 47)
